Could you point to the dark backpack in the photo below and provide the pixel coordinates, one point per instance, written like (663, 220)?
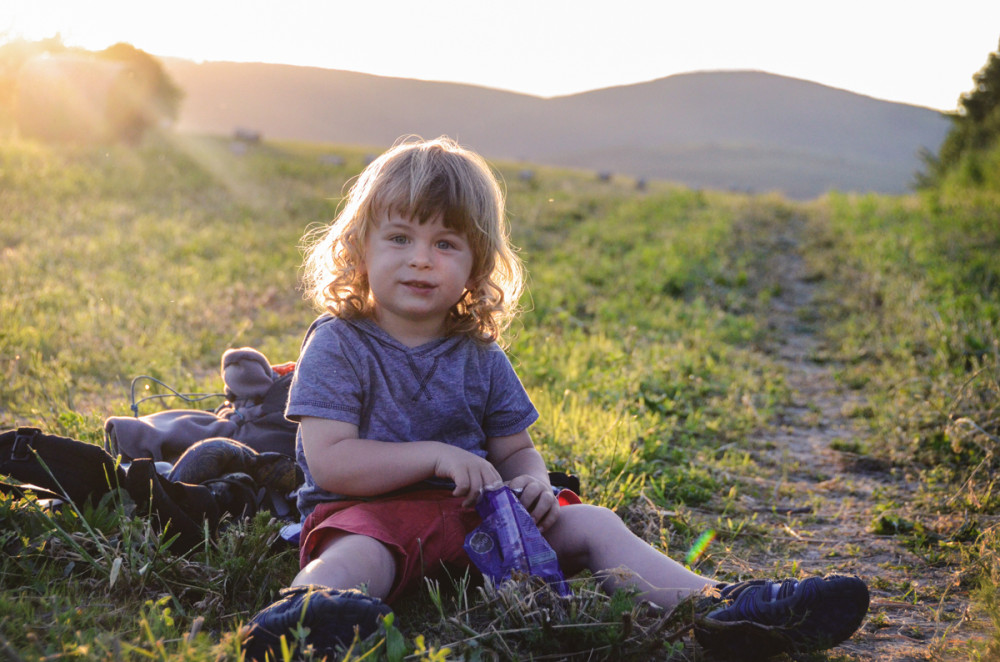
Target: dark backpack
(50, 466)
(68, 468)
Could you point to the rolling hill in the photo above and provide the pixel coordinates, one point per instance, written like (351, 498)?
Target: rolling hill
(741, 130)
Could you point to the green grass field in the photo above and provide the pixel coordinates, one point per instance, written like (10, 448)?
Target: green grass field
(648, 344)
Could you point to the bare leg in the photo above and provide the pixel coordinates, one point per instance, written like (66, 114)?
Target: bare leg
(591, 538)
(350, 561)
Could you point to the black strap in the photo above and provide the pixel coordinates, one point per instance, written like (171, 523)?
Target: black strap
(23, 439)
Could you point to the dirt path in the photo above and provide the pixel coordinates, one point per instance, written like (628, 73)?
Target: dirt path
(821, 502)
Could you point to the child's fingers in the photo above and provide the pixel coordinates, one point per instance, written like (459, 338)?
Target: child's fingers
(480, 476)
(490, 476)
(469, 481)
(531, 494)
(549, 518)
(472, 491)
(462, 482)
(475, 489)
(468, 471)
(540, 502)
(519, 483)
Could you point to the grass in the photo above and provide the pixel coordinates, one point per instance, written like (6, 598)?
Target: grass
(645, 345)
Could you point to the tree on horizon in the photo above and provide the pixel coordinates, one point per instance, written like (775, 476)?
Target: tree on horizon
(975, 128)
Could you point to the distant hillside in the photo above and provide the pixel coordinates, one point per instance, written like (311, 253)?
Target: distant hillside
(730, 130)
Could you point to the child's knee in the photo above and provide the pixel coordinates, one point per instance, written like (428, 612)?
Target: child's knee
(379, 554)
(368, 551)
(586, 519)
(579, 528)
(361, 558)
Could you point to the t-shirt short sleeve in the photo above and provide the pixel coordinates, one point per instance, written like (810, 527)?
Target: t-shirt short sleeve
(327, 381)
(511, 410)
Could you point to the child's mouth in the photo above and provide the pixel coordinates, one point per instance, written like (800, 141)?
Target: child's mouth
(419, 285)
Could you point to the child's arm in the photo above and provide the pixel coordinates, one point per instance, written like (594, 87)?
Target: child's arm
(520, 463)
(342, 463)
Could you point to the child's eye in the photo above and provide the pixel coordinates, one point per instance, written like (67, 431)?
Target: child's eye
(398, 239)
(444, 244)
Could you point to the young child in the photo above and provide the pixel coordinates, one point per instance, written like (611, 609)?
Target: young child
(408, 408)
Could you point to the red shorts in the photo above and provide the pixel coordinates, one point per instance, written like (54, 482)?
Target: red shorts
(422, 530)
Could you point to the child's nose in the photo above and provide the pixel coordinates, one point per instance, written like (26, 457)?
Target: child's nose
(420, 256)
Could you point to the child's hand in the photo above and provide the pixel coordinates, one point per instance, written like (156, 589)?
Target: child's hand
(468, 471)
(537, 498)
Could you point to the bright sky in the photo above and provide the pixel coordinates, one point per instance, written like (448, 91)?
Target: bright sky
(922, 52)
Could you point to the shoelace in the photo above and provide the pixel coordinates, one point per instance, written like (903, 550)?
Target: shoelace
(750, 598)
(769, 590)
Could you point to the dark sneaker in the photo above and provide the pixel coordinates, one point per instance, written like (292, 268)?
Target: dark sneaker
(760, 618)
(329, 617)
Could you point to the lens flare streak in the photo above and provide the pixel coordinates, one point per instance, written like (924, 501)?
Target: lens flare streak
(699, 547)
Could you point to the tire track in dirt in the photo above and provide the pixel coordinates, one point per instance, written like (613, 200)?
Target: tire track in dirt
(820, 502)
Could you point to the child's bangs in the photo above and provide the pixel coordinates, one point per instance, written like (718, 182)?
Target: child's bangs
(424, 190)
(435, 199)
(441, 200)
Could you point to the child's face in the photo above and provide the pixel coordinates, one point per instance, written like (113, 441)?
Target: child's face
(416, 273)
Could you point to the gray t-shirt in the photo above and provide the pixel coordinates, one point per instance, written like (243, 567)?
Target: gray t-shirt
(453, 390)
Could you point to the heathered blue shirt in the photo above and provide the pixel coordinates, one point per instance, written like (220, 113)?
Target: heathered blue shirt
(453, 390)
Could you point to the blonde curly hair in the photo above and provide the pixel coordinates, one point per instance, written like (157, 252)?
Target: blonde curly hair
(423, 180)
